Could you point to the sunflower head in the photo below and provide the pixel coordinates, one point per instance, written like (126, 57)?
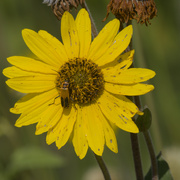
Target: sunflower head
(78, 87)
(85, 78)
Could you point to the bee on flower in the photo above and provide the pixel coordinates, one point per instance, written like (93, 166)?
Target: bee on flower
(86, 76)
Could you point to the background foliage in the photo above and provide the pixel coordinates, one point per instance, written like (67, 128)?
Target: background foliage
(26, 156)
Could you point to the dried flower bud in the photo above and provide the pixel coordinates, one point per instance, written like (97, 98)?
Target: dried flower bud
(60, 6)
(125, 10)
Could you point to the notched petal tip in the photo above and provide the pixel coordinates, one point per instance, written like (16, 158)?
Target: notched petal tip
(42, 32)
(14, 111)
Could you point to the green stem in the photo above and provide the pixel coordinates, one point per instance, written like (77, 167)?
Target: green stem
(93, 25)
(103, 167)
(149, 143)
(154, 166)
(136, 156)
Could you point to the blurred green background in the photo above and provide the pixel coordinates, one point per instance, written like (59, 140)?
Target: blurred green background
(24, 156)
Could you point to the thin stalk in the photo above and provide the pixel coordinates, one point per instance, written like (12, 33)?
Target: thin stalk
(93, 25)
(149, 143)
(136, 156)
(154, 167)
(103, 167)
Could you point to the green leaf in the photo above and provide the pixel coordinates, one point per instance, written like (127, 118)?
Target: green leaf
(163, 170)
(28, 158)
(144, 122)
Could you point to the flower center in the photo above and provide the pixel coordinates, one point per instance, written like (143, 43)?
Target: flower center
(85, 79)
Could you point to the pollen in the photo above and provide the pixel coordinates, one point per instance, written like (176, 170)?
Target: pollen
(86, 81)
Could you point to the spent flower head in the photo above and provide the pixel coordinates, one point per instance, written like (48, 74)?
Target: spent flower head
(60, 6)
(78, 88)
(125, 10)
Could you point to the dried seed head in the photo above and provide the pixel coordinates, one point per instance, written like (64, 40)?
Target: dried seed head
(60, 6)
(125, 10)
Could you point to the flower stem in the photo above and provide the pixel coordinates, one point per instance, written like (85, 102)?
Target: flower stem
(136, 156)
(149, 143)
(154, 166)
(103, 167)
(93, 25)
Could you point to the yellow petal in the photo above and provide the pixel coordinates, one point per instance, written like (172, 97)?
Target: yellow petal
(127, 106)
(26, 120)
(34, 113)
(121, 63)
(12, 72)
(31, 101)
(129, 76)
(129, 90)
(32, 84)
(62, 130)
(66, 125)
(49, 118)
(41, 48)
(93, 129)
(119, 44)
(56, 45)
(79, 138)
(118, 111)
(32, 65)
(109, 134)
(83, 25)
(69, 35)
(104, 39)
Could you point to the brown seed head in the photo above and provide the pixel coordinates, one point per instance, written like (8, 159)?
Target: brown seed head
(60, 6)
(125, 10)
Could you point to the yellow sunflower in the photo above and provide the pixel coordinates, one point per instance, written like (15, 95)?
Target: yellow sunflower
(78, 88)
